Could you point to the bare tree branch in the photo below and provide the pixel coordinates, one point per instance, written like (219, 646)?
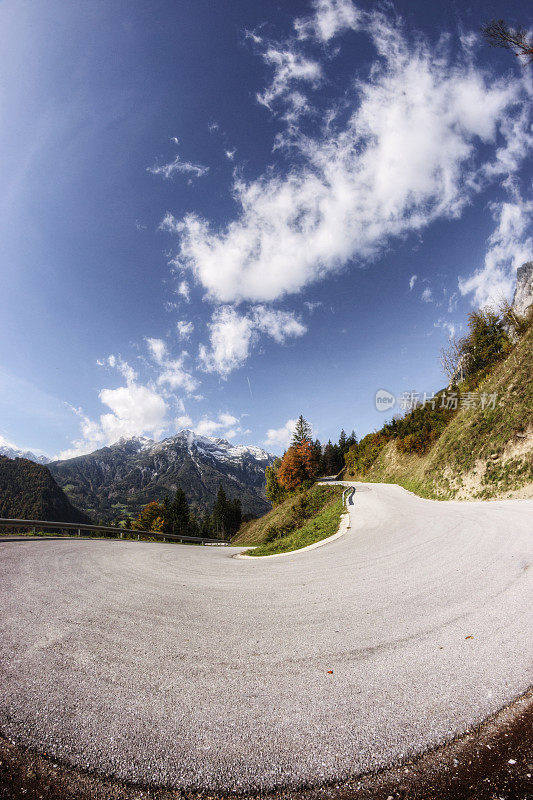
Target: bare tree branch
(499, 34)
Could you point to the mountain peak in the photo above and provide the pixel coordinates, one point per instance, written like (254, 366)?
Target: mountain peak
(136, 470)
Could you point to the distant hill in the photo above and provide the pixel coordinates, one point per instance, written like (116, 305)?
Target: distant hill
(14, 452)
(127, 475)
(28, 491)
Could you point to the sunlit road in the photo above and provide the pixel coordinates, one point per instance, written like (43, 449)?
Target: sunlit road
(181, 665)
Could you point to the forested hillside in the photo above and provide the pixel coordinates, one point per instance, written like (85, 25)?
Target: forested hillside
(28, 491)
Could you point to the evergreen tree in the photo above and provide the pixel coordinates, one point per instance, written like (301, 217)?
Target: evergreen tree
(275, 494)
(342, 443)
(317, 456)
(351, 440)
(206, 526)
(302, 432)
(179, 513)
(167, 515)
(219, 513)
(329, 459)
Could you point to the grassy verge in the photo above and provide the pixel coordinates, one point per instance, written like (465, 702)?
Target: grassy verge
(299, 521)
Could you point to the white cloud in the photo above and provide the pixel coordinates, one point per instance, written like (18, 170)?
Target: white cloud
(184, 421)
(330, 18)
(230, 154)
(225, 425)
(452, 302)
(312, 305)
(427, 295)
(116, 362)
(412, 281)
(232, 335)
(184, 291)
(230, 340)
(158, 350)
(408, 154)
(289, 67)
(228, 419)
(172, 372)
(281, 437)
(184, 328)
(135, 410)
(509, 246)
(5, 443)
(180, 167)
(447, 326)
(280, 325)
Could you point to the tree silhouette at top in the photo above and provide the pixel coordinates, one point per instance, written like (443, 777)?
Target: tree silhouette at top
(302, 432)
(499, 34)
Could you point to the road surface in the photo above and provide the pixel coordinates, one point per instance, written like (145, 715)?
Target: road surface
(182, 666)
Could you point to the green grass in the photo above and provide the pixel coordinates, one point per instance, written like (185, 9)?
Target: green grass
(301, 520)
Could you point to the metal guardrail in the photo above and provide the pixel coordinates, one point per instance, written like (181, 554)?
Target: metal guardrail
(345, 499)
(35, 524)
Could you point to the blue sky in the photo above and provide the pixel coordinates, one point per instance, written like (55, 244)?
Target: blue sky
(222, 215)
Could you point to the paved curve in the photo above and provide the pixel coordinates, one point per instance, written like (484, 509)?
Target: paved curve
(183, 666)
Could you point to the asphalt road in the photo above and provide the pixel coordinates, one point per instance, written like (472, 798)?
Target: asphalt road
(182, 666)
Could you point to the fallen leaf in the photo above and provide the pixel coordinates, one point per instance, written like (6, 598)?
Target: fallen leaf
(469, 637)
(330, 672)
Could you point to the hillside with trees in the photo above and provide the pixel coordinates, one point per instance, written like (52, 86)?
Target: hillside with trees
(304, 460)
(474, 438)
(28, 491)
(175, 517)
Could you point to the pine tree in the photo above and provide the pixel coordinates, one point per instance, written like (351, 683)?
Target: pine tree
(302, 432)
(342, 443)
(219, 513)
(179, 513)
(274, 492)
(329, 459)
(351, 440)
(167, 514)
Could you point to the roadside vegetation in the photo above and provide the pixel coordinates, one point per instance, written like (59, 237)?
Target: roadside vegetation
(303, 512)
(174, 517)
(302, 519)
(472, 439)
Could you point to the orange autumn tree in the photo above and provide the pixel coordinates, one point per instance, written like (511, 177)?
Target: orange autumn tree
(301, 462)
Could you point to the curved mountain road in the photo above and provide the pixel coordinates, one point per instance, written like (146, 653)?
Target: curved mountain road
(182, 666)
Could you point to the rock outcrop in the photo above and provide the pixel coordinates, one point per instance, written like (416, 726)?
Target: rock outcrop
(523, 295)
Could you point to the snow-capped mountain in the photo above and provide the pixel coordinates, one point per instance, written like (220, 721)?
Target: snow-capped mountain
(132, 472)
(13, 452)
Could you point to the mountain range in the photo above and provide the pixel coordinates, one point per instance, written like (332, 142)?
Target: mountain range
(125, 476)
(14, 452)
